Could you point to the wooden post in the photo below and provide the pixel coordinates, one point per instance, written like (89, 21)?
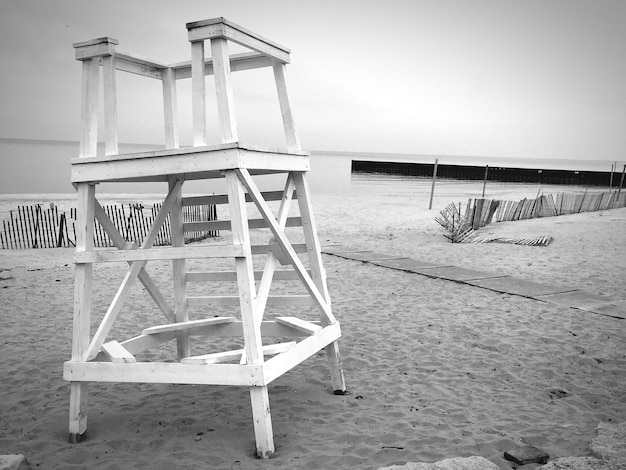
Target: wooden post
(621, 183)
(223, 89)
(291, 133)
(198, 99)
(485, 180)
(251, 323)
(611, 180)
(318, 275)
(110, 105)
(83, 278)
(170, 109)
(432, 190)
(179, 268)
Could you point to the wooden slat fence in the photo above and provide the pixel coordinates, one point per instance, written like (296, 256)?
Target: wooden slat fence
(36, 227)
(481, 212)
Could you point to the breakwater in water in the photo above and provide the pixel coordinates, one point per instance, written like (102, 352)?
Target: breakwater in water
(495, 173)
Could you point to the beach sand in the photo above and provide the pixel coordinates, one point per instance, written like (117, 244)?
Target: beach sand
(435, 369)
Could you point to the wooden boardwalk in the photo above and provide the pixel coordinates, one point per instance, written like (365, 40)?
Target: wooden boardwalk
(564, 296)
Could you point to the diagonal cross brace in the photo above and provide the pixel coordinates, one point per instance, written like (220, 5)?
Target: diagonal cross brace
(284, 243)
(270, 262)
(136, 267)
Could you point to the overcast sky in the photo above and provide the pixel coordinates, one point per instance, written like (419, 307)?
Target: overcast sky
(525, 78)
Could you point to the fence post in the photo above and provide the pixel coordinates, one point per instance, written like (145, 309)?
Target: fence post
(432, 190)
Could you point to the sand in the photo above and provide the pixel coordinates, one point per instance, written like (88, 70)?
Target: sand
(435, 369)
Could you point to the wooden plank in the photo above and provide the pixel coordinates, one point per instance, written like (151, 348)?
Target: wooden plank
(225, 276)
(119, 241)
(222, 28)
(233, 300)
(89, 109)
(162, 253)
(289, 124)
(227, 356)
(83, 285)
(225, 224)
(259, 396)
(140, 343)
(198, 98)
(110, 105)
(333, 357)
(285, 245)
(179, 266)
(223, 198)
(300, 325)
(223, 90)
(238, 62)
(304, 349)
(191, 163)
(117, 353)
(248, 375)
(187, 325)
(170, 109)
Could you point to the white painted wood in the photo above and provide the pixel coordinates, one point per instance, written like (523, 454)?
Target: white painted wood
(223, 90)
(310, 234)
(285, 245)
(170, 111)
(149, 254)
(188, 325)
(244, 268)
(318, 274)
(120, 243)
(273, 255)
(250, 320)
(222, 330)
(298, 324)
(165, 372)
(225, 276)
(238, 62)
(179, 267)
(263, 431)
(83, 285)
(142, 342)
(131, 275)
(228, 356)
(223, 198)
(117, 353)
(291, 132)
(222, 28)
(233, 300)
(89, 109)
(95, 48)
(198, 98)
(109, 85)
(225, 224)
(279, 365)
(190, 163)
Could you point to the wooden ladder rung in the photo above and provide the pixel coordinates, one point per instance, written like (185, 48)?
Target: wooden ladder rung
(117, 353)
(279, 275)
(300, 325)
(226, 356)
(187, 325)
(234, 300)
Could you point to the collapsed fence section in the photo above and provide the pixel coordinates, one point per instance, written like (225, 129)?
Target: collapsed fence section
(481, 212)
(36, 227)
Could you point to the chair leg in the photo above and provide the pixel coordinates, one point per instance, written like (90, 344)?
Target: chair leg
(263, 432)
(78, 413)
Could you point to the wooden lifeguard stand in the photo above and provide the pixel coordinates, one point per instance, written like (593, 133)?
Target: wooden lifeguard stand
(97, 358)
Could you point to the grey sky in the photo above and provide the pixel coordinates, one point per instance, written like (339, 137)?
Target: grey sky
(535, 78)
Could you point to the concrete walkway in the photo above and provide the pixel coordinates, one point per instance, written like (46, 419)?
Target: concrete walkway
(564, 296)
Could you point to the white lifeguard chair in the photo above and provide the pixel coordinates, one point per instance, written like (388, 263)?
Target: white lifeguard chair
(98, 358)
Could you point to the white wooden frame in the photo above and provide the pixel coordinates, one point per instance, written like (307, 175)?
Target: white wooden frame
(98, 358)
